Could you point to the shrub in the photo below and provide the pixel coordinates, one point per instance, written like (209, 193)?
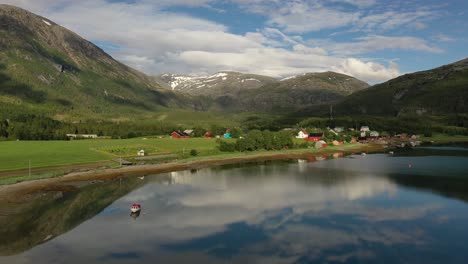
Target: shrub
(193, 152)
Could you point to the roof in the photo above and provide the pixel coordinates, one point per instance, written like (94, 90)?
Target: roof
(180, 133)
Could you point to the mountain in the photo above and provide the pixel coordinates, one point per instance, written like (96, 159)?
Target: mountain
(300, 91)
(440, 91)
(219, 84)
(249, 92)
(49, 69)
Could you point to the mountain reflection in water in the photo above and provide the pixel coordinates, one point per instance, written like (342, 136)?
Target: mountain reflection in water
(365, 209)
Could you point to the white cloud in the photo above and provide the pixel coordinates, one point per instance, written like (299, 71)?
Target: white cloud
(370, 71)
(359, 3)
(443, 38)
(376, 43)
(393, 19)
(281, 62)
(300, 17)
(155, 41)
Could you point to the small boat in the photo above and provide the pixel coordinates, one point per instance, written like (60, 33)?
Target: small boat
(135, 208)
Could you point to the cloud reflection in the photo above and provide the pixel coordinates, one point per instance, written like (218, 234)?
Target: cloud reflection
(312, 213)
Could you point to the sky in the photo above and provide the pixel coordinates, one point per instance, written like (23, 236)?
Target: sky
(373, 40)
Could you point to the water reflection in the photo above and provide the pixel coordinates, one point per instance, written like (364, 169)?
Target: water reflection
(354, 209)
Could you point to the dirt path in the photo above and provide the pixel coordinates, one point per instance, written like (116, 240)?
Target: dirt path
(18, 191)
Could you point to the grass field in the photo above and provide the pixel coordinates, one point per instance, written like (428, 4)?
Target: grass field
(15, 155)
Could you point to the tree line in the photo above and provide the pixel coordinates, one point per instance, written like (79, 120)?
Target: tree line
(257, 140)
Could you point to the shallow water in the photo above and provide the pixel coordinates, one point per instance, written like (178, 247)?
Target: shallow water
(408, 207)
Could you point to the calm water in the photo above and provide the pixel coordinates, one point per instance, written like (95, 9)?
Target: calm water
(410, 207)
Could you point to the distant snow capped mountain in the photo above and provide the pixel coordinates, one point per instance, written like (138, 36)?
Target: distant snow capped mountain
(249, 92)
(215, 85)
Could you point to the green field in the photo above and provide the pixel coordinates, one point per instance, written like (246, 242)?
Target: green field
(15, 155)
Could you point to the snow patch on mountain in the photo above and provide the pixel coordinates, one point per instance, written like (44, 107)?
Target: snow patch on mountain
(288, 78)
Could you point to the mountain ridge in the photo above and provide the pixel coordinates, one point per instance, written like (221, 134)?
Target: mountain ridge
(50, 69)
(438, 91)
(252, 92)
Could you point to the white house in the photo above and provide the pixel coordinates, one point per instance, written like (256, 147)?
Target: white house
(302, 134)
(364, 129)
(320, 144)
(374, 134)
(339, 129)
(141, 152)
(188, 131)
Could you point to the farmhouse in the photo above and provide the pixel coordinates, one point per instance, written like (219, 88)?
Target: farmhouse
(374, 134)
(188, 132)
(141, 152)
(320, 144)
(302, 134)
(208, 135)
(314, 137)
(365, 129)
(339, 129)
(179, 134)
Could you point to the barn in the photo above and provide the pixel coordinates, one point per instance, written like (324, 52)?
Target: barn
(179, 134)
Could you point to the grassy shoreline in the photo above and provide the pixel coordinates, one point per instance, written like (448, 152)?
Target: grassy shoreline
(17, 176)
(18, 190)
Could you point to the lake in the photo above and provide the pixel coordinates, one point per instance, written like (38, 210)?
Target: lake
(410, 207)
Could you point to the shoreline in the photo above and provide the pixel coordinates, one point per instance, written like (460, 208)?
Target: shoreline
(11, 192)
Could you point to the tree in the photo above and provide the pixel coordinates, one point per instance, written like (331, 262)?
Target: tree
(217, 130)
(198, 132)
(256, 136)
(235, 132)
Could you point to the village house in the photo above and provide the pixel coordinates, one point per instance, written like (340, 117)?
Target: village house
(363, 131)
(374, 134)
(179, 134)
(320, 144)
(314, 137)
(188, 132)
(208, 135)
(141, 152)
(339, 129)
(337, 143)
(302, 134)
(227, 134)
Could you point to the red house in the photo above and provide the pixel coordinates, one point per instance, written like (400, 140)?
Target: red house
(314, 137)
(179, 134)
(208, 135)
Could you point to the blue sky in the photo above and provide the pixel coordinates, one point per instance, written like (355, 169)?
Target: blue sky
(373, 40)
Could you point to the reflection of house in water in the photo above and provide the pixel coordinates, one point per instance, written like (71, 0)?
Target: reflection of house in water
(338, 155)
(302, 165)
(321, 157)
